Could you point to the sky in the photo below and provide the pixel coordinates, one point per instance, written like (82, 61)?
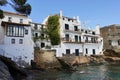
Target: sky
(91, 12)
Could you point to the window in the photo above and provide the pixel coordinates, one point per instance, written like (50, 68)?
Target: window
(68, 19)
(86, 31)
(26, 31)
(42, 35)
(76, 38)
(12, 41)
(21, 20)
(9, 19)
(66, 26)
(36, 34)
(75, 28)
(119, 42)
(109, 42)
(86, 50)
(79, 38)
(77, 52)
(67, 37)
(67, 51)
(63, 18)
(42, 45)
(20, 41)
(94, 51)
(82, 30)
(86, 39)
(15, 31)
(93, 33)
(36, 26)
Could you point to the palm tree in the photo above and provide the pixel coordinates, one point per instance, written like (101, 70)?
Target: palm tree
(19, 5)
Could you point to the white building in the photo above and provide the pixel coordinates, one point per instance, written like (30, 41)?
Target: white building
(77, 40)
(39, 36)
(15, 38)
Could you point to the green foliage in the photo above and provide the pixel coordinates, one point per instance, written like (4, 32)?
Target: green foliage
(21, 6)
(3, 2)
(53, 29)
(1, 14)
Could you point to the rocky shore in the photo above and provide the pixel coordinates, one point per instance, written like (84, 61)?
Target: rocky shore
(10, 71)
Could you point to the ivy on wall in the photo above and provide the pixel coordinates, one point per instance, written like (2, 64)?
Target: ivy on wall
(53, 29)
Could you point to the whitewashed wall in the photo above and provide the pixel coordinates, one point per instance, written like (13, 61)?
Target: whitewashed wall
(20, 53)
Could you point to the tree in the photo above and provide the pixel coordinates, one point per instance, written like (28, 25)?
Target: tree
(19, 5)
(2, 3)
(53, 29)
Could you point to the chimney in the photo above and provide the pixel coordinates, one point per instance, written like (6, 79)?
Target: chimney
(60, 13)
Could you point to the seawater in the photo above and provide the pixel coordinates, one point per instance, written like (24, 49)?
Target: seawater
(102, 72)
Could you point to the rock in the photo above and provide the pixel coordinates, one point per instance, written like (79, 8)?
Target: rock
(64, 65)
(16, 72)
(80, 60)
(111, 53)
(4, 72)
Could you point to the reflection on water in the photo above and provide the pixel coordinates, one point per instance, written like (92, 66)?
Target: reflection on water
(85, 73)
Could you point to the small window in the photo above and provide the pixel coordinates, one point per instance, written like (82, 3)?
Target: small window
(68, 19)
(76, 38)
(82, 30)
(21, 20)
(42, 45)
(93, 33)
(42, 35)
(13, 41)
(86, 31)
(66, 26)
(118, 42)
(36, 34)
(36, 26)
(63, 18)
(94, 52)
(67, 37)
(75, 28)
(86, 50)
(79, 38)
(67, 51)
(9, 19)
(20, 41)
(109, 42)
(26, 32)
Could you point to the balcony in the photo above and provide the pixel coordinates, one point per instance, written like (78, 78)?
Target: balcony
(68, 40)
(72, 31)
(90, 41)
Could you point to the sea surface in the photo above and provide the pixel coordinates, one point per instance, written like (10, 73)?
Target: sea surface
(101, 72)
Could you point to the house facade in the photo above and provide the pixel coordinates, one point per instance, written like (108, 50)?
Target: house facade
(39, 36)
(15, 38)
(111, 36)
(77, 40)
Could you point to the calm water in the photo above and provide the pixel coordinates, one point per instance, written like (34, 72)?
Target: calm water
(84, 73)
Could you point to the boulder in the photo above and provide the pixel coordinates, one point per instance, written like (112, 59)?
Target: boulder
(111, 53)
(16, 72)
(4, 72)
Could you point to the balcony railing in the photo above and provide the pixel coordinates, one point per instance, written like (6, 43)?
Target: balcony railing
(73, 31)
(68, 40)
(89, 41)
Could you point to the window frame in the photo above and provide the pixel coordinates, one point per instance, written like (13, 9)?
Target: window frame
(12, 41)
(15, 31)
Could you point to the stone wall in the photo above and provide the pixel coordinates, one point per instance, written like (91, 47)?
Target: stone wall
(46, 59)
